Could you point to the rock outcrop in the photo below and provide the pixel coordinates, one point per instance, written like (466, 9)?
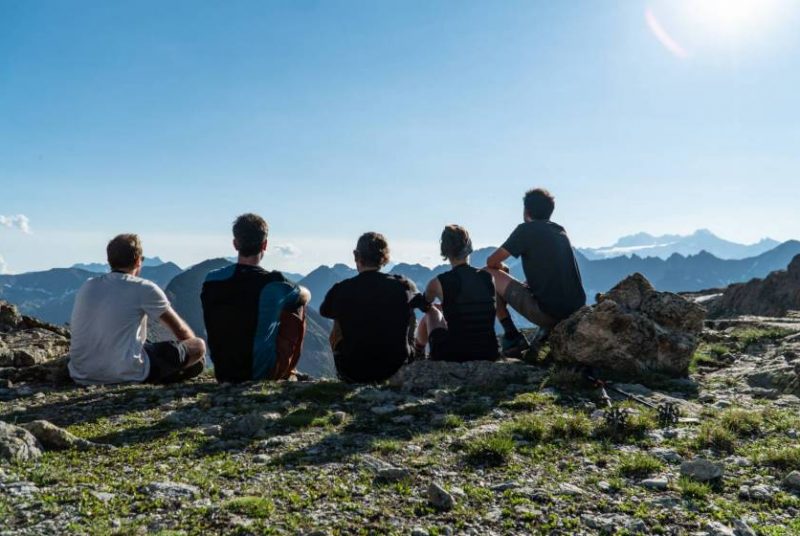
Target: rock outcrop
(31, 350)
(632, 328)
(17, 444)
(775, 295)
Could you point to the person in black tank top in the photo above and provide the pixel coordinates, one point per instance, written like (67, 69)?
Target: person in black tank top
(461, 328)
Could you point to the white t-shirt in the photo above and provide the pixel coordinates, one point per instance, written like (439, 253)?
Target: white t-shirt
(109, 328)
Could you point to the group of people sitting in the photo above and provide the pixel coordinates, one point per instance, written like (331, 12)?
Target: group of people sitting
(255, 319)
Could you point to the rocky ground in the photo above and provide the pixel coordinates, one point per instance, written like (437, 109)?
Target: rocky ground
(483, 448)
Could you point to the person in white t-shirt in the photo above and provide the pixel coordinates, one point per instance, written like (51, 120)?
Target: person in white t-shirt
(109, 326)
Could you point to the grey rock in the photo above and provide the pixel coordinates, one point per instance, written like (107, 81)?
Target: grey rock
(384, 409)
(613, 523)
(392, 474)
(741, 528)
(715, 528)
(667, 455)
(18, 444)
(566, 488)
(792, 481)
(424, 375)
(171, 490)
(439, 498)
(632, 328)
(701, 470)
(659, 483)
(338, 417)
(254, 423)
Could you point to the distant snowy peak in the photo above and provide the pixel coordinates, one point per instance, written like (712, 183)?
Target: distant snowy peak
(647, 245)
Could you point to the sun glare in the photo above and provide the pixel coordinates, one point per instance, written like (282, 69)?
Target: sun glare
(688, 27)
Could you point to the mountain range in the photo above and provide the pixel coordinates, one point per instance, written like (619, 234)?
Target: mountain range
(664, 246)
(50, 294)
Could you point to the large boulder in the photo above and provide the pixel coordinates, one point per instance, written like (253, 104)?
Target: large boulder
(775, 295)
(632, 328)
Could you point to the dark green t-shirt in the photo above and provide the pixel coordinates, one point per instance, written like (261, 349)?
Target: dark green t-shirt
(550, 267)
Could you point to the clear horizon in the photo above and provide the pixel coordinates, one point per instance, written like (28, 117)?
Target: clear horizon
(334, 118)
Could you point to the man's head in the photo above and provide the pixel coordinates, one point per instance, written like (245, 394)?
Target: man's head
(372, 252)
(250, 235)
(539, 204)
(124, 253)
(456, 245)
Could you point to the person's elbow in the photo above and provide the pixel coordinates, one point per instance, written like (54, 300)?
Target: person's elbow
(304, 298)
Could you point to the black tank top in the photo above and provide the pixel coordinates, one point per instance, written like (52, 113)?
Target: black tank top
(469, 309)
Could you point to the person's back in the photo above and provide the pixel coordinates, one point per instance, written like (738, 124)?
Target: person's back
(243, 307)
(255, 319)
(550, 267)
(373, 319)
(468, 304)
(109, 328)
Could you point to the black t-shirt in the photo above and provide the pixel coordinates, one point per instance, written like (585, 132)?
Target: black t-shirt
(373, 312)
(550, 267)
(242, 308)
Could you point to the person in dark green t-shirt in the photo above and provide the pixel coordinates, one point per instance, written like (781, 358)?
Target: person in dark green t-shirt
(553, 289)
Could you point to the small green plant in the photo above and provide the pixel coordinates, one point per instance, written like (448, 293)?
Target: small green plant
(324, 392)
(716, 436)
(741, 422)
(451, 422)
(528, 401)
(492, 449)
(386, 446)
(528, 427)
(565, 378)
(639, 465)
(748, 336)
(257, 507)
(691, 489)
(302, 418)
(570, 426)
(787, 458)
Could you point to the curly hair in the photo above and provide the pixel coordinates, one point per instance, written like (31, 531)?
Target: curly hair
(372, 250)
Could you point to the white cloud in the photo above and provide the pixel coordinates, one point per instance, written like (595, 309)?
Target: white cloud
(20, 221)
(289, 251)
(3, 265)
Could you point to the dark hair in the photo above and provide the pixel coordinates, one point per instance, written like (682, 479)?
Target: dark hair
(455, 242)
(249, 230)
(372, 250)
(123, 251)
(539, 204)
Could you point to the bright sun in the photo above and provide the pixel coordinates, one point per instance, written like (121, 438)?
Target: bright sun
(687, 26)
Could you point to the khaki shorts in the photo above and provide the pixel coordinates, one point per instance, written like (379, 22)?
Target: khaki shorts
(520, 298)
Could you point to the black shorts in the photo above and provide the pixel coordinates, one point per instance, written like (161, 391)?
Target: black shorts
(168, 362)
(445, 348)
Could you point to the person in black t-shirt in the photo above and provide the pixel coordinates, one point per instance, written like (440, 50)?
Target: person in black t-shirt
(553, 288)
(373, 319)
(255, 319)
(462, 327)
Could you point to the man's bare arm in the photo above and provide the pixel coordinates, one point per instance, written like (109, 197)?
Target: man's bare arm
(496, 259)
(177, 325)
(433, 290)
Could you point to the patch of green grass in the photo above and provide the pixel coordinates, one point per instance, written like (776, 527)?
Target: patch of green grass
(639, 465)
(303, 418)
(565, 378)
(747, 336)
(708, 354)
(786, 458)
(715, 435)
(636, 426)
(570, 426)
(530, 427)
(693, 490)
(491, 449)
(528, 401)
(386, 446)
(257, 507)
(451, 422)
(741, 422)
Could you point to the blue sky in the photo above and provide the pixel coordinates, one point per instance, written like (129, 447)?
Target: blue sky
(169, 118)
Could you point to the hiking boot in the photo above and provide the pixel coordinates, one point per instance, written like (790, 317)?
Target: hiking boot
(514, 346)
